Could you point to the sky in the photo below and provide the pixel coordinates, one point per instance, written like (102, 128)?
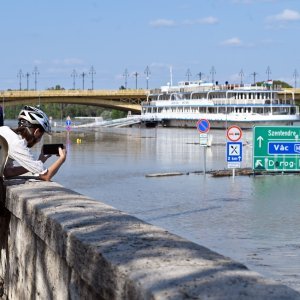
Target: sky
(108, 42)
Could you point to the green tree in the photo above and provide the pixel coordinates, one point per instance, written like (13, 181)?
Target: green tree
(117, 114)
(276, 83)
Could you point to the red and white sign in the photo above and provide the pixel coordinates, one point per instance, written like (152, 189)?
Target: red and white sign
(234, 133)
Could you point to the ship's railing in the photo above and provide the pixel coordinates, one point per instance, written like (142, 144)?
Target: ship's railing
(233, 101)
(216, 87)
(224, 101)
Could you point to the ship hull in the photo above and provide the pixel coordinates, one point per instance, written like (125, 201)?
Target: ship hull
(223, 124)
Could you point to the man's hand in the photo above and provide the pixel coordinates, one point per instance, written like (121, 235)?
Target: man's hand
(43, 157)
(62, 154)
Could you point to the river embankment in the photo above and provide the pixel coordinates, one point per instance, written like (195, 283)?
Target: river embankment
(62, 245)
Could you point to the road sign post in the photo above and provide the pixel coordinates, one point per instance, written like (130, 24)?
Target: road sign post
(203, 126)
(276, 148)
(234, 149)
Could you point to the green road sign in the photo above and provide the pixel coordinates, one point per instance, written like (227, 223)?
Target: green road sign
(276, 148)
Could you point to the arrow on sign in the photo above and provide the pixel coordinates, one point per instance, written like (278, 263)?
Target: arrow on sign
(258, 163)
(260, 139)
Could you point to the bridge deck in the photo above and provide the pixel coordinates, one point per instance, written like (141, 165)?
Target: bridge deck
(118, 99)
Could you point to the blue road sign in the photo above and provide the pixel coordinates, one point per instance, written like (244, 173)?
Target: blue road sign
(203, 125)
(234, 151)
(281, 148)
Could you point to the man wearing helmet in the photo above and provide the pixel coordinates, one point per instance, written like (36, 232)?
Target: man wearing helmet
(33, 123)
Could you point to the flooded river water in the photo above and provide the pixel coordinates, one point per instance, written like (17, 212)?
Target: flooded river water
(253, 220)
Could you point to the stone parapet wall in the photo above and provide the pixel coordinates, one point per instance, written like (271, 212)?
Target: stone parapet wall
(57, 244)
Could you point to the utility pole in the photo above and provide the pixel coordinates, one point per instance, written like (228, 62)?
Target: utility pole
(92, 73)
(254, 76)
(74, 75)
(35, 73)
(147, 72)
(20, 75)
(295, 75)
(188, 74)
(136, 74)
(213, 73)
(241, 75)
(27, 78)
(268, 72)
(83, 75)
(126, 74)
(200, 74)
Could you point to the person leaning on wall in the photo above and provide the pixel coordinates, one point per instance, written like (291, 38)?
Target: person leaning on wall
(32, 124)
(1, 116)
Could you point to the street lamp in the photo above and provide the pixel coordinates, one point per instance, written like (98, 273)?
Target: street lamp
(188, 74)
(295, 75)
(136, 74)
(254, 76)
(125, 75)
(268, 72)
(74, 75)
(241, 75)
(213, 73)
(20, 75)
(27, 79)
(35, 73)
(200, 74)
(147, 72)
(92, 73)
(83, 75)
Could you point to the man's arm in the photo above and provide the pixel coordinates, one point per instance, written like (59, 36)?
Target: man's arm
(52, 170)
(14, 171)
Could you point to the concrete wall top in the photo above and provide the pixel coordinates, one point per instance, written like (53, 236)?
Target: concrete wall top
(122, 257)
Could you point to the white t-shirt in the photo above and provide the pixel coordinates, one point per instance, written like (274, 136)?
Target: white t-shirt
(19, 152)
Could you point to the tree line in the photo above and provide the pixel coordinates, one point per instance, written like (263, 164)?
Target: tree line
(61, 111)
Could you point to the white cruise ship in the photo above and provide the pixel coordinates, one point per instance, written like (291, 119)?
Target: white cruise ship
(223, 105)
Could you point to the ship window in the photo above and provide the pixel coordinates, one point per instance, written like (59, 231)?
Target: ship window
(258, 110)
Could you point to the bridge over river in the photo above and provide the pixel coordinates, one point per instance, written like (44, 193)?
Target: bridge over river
(126, 100)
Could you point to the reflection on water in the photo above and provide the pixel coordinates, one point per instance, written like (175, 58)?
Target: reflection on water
(251, 219)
